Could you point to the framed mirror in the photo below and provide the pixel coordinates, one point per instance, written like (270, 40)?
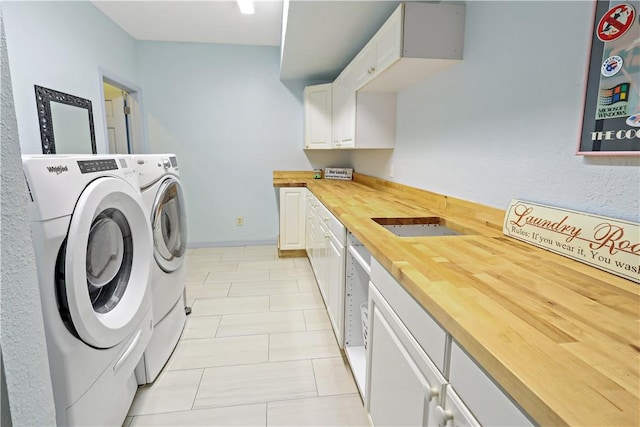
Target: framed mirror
(66, 123)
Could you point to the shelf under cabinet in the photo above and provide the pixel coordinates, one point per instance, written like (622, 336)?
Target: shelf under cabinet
(357, 357)
(358, 273)
(362, 256)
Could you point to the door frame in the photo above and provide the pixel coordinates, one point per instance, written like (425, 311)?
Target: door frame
(138, 135)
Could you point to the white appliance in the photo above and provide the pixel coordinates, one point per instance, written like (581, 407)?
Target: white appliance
(163, 198)
(93, 247)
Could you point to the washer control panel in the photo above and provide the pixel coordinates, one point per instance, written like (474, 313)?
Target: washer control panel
(91, 166)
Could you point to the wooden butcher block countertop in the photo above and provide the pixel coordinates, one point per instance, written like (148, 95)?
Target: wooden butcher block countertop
(562, 338)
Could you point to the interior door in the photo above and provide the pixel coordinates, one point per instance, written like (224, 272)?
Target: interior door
(115, 104)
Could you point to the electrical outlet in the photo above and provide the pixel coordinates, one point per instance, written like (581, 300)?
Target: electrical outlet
(239, 220)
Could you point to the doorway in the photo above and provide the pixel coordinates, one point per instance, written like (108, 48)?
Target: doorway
(124, 133)
(117, 112)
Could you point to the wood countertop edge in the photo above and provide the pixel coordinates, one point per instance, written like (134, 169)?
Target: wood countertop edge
(536, 400)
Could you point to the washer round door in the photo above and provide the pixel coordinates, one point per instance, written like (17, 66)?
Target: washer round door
(169, 225)
(107, 262)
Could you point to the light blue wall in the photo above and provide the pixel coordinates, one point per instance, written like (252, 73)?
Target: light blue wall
(25, 385)
(231, 122)
(504, 123)
(62, 45)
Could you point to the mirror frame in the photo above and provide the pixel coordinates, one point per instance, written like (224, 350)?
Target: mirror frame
(44, 97)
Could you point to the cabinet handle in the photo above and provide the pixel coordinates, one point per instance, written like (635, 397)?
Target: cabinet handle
(325, 219)
(433, 393)
(326, 235)
(443, 416)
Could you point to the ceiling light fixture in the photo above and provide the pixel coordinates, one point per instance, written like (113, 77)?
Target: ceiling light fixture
(246, 7)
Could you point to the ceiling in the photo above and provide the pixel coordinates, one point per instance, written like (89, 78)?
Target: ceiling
(321, 36)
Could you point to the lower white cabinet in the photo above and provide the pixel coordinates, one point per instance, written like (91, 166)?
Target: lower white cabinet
(326, 250)
(408, 369)
(431, 337)
(490, 405)
(406, 346)
(403, 385)
(292, 218)
(310, 232)
(452, 412)
(335, 260)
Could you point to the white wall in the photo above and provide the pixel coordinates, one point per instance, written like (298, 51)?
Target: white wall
(62, 45)
(25, 383)
(231, 122)
(504, 123)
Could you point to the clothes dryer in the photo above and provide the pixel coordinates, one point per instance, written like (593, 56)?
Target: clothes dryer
(92, 245)
(163, 197)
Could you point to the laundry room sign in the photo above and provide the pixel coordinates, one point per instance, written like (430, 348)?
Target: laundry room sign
(609, 244)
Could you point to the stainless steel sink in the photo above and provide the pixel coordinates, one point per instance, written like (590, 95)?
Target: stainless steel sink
(418, 227)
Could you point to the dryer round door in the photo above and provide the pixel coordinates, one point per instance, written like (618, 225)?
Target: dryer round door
(107, 262)
(169, 225)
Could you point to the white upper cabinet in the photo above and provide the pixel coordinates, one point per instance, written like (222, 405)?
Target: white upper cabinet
(317, 116)
(382, 51)
(344, 110)
(418, 40)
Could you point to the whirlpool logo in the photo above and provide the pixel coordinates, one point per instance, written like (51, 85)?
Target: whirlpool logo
(57, 169)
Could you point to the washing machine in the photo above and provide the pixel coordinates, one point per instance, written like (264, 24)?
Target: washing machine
(93, 250)
(163, 198)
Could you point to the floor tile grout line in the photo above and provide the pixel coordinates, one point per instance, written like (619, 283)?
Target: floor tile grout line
(315, 378)
(269, 348)
(197, 389)
(199, 409)
(264, 402)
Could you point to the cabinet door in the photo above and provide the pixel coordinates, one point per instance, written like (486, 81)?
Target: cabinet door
(402, 384)
(347, 122)
(364, 65)
(309, 226)
(317, 116)
(292, 218)
(388, 41)
(454, 413)
(320, 255)
(335, 286)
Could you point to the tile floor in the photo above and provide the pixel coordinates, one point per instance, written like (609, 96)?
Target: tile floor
(257, 350)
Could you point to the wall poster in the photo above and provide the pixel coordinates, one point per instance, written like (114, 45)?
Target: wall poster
(611, 121)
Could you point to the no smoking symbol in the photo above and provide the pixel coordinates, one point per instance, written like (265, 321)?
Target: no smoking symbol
(616, 22)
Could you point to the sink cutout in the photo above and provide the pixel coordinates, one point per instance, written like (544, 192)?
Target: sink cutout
(417, 227)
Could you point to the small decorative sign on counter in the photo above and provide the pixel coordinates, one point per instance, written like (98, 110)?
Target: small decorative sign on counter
(338, 173)
(608, 244)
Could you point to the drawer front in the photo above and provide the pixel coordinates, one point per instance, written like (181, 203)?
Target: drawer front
(332, 223)
(455, 413)
(426, 331)
(488, 403)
